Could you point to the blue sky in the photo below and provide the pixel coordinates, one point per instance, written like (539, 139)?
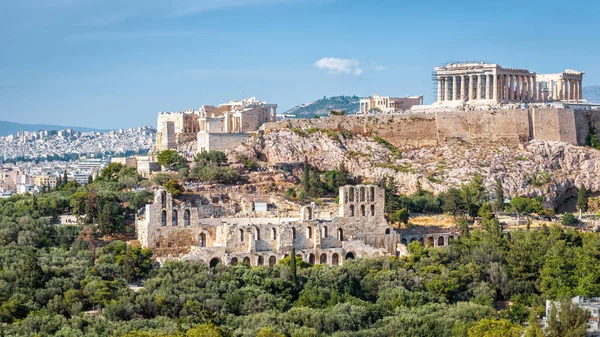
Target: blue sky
(117, 63)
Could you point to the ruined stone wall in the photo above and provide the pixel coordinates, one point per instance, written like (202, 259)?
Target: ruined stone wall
(220, 141)
(552, 124)
(406, 129)
(505, 126)
(500, 126)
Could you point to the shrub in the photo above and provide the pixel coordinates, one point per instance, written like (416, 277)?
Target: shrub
(568, 219)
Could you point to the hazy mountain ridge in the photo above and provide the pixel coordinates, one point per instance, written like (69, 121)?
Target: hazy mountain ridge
(592, 93)
(322, 106)
(9, 128)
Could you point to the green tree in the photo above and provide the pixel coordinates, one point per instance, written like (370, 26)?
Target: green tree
(173, 187)
(171, 159)
(499, 192)
(293, 266)
(400, 216)
(454, 202)
(567, 320)
(568, 219)
(269, 332)
(521, 205)
(582, 200)
(533, 329)
(212, 157)
(306, 175)
(495, 328)
(205, 330)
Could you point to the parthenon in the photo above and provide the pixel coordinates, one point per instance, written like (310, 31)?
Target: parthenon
(484, 83)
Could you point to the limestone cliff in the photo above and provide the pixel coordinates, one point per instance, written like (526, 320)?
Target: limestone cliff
(553, 170)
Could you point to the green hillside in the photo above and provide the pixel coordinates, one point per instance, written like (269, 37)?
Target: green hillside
(322, 106)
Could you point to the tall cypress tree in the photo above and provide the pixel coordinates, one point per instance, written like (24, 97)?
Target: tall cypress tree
(306, 175)
(64, 181)
(499, 203)
(582, 200)
(293, 265)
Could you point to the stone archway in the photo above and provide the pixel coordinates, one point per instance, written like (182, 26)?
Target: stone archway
(214, 262)
(350, 256)
(272, 261)
(440, 241)
(335, 259)
(246, 260)
(311, 258)
(260, 261)
(403, 241)
(323, 259)
(234, 261)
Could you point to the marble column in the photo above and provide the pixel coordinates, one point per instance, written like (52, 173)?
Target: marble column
(495, 87)
(488, 86)
(439, 89)
(446, 88)
(454, 88)
(470, 88)
(580, 89)
(463, 80)
(512, 87)
(478, 87)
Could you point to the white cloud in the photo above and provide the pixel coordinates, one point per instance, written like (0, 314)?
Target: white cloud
(339, 66)
(380, 68)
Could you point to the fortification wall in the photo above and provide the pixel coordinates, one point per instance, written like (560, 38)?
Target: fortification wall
(504, 126)
(499, 126)
(220, 141)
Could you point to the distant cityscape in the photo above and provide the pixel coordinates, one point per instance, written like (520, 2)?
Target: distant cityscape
(33, 160)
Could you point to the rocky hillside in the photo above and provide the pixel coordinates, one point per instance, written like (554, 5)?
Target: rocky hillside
(551, 169)
(321, 107)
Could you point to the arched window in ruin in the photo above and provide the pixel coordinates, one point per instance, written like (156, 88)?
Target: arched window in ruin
(163, 199)
(372, 210)
(422, 241)
(372, 194)
(430, 241)
(309, 213)
(163, 218)
(324, 231)
(174, 218)
(403, 241)
(241, 235)
(362, 194)
(311, 258)
(202, 240)
(387, 231)
(440, 241)
(309, 232)
(186, 217)
(234, 261)
(214, 262)
(350, 256)
(257, 234)
(261, 260)
(335, 259)
(340, 234)
(351, 210)
(323, 259)
(351, 194)
(293, 233)
(273, 234)
(362, 210)
(246, 260)
(272, 261)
